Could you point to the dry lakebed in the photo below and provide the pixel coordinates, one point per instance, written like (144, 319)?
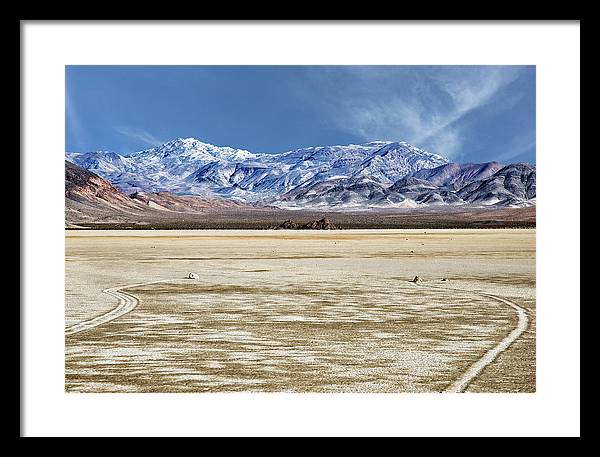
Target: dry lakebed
(300, 311)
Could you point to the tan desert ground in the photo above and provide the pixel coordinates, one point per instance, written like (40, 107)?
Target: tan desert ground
(300, 311)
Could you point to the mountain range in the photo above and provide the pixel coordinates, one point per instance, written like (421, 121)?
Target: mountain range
(379, 174)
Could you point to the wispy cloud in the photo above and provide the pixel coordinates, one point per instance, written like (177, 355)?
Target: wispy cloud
(74, 124)
(141, 135)
(519, 147)
(422, 105)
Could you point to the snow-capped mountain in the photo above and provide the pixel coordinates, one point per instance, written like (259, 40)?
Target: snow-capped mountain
(189, 166)
(513, 185)
(453, 184)
(169, 167)
(379, 174)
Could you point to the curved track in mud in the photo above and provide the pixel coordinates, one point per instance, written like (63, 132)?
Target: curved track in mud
(462, 382)
(127, 303)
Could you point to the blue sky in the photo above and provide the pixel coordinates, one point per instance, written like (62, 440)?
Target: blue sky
(465, 113)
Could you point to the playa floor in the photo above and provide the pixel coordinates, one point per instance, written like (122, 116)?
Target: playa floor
(300, 311)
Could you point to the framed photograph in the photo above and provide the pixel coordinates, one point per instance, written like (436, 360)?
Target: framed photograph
(264, 231)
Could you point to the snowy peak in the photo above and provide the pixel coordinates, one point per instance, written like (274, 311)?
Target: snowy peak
(194, 149)
(396, 160)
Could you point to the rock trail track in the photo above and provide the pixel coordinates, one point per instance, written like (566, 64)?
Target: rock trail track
(126, 304)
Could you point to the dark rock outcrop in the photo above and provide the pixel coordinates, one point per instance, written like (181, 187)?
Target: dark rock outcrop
(320, 224)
